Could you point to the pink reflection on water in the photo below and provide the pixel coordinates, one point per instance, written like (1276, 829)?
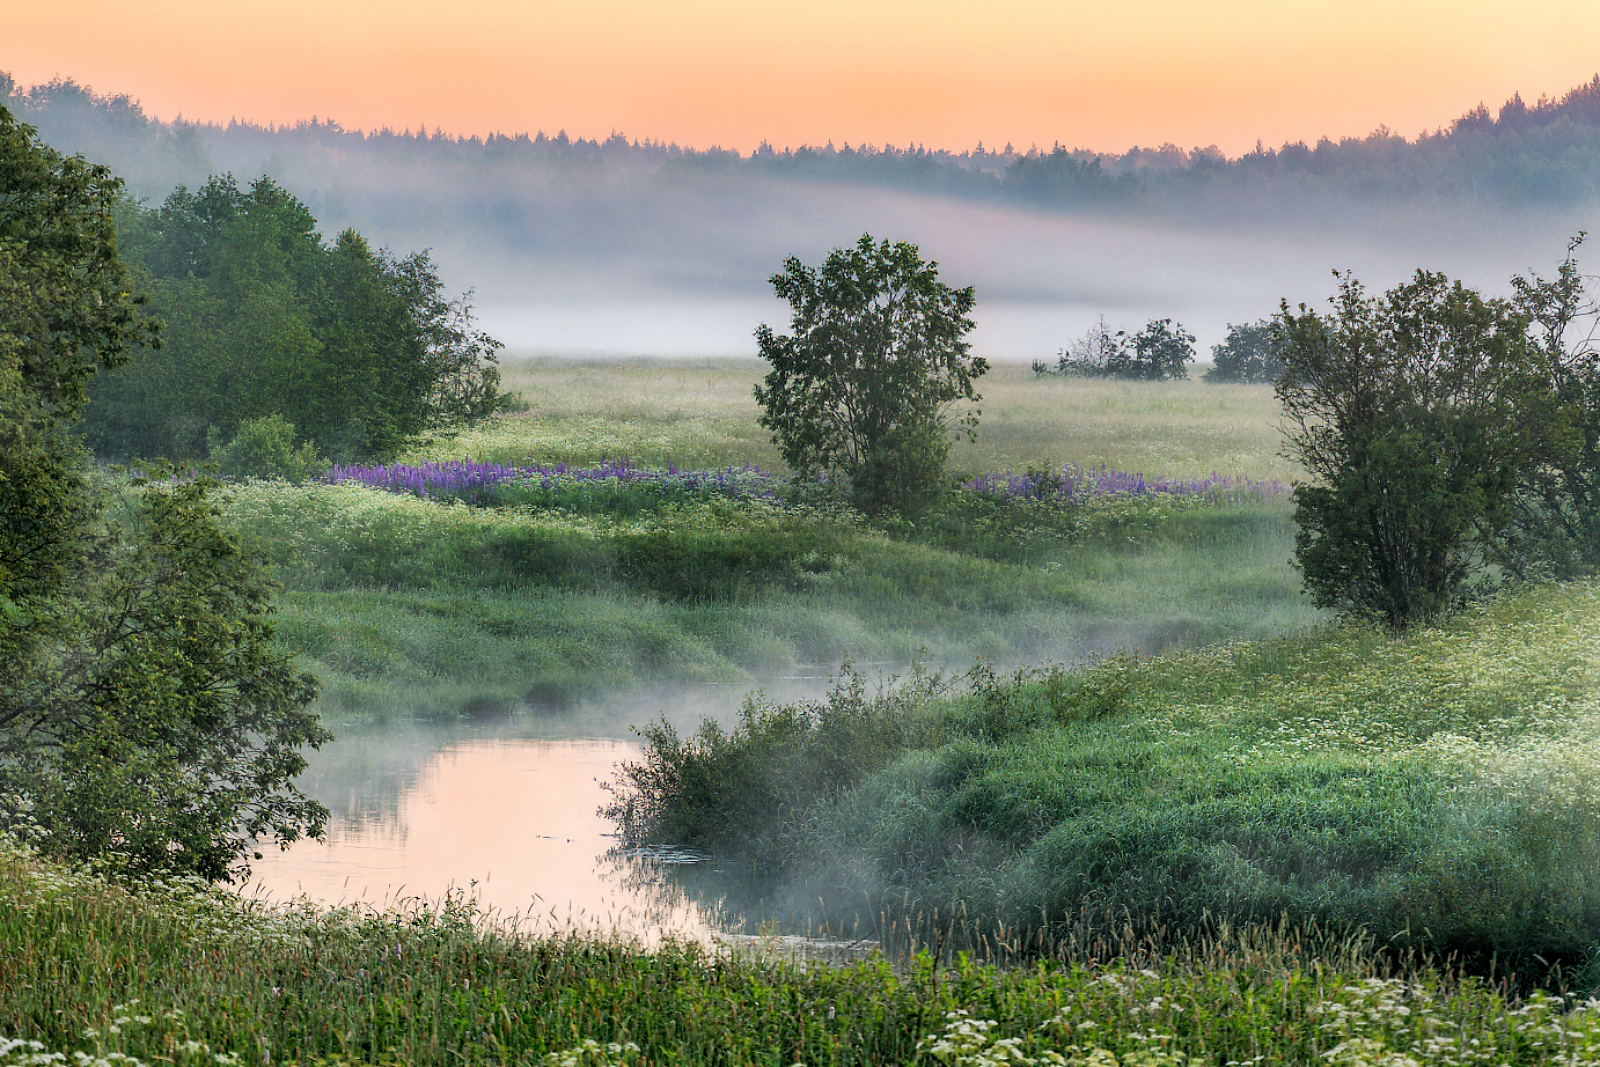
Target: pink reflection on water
(519, 817)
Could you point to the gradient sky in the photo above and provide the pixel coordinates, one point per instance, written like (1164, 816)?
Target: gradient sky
(1105, 74)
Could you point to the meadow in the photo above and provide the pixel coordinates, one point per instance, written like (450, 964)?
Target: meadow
(1130, 802)
(96, 973)
(405, 605)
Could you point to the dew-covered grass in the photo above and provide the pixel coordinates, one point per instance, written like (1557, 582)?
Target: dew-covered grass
(1440, 790)
(701, 413)
(94, 973)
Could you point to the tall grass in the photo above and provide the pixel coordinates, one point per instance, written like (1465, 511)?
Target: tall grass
(1440, 790)
(700, 413)
(401, 602)
(94, 972)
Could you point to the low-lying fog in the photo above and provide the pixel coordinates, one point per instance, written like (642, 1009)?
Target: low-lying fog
(697, 285)
(505, 810)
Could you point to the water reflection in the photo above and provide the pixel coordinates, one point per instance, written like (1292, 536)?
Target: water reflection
(420, 809)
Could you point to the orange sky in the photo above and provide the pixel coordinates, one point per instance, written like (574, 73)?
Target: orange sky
(1105, 74)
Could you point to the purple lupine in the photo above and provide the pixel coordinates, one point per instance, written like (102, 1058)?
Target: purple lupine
(1075, 482)
(476, 482)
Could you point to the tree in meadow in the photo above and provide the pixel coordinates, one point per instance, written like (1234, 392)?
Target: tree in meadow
(1416, 415)
(1248, 354)
(865, 387)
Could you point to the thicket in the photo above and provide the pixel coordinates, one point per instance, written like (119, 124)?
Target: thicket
(359, 352)
(1159, 352)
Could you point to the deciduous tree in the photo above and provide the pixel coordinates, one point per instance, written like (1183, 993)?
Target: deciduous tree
(145, 713)
(865, 388)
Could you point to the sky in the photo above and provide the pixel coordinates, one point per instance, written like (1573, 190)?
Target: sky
(945, 74)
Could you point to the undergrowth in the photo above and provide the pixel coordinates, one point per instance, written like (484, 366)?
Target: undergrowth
(1440, 790)
(98, 973)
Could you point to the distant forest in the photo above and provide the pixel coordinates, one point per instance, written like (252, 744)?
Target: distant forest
(1533, 155)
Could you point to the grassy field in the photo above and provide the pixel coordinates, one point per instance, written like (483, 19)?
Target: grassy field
(700, 413)
(405, 606)
(100, 974)
(1439, 790)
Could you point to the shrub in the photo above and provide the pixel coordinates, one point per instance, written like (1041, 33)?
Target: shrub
(264, 448)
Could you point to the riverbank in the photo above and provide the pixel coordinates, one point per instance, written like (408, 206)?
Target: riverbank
(182, 974)
(1438, 789)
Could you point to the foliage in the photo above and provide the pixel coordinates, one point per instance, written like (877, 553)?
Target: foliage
(265, 319)
(1414, 413)
(716, 790)
(1162, 351)
(404, 605)
(1248, 354)
(1159, 352)
(863, 389)
(1555, 526)
(145, 716)
(264, 448)
(172, 972)
(1440, 790)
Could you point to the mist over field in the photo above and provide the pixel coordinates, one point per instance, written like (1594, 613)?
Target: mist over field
(637, 248)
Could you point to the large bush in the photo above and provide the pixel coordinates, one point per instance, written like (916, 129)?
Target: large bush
(1415, 414)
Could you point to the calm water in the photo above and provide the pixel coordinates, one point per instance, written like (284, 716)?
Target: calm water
(497, 810)
(506, 810)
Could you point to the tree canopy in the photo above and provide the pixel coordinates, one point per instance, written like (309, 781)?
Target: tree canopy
(360, 350)
(863, 390)
(145, 713)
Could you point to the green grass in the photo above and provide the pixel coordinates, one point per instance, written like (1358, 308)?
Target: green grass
(403, 605)
(1441, 790)
(700, 413)
(174, 973)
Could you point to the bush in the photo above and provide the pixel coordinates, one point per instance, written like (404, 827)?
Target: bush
(1248, 354)
(264, 448)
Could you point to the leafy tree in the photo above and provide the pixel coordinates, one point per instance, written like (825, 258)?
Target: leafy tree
(1248, 354)
(361, 350)
(864, 389)
(1555, 530)
(1415, 414)
(145, 713)
(1161, 350)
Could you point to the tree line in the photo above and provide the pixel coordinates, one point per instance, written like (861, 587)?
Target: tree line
(1547, 152)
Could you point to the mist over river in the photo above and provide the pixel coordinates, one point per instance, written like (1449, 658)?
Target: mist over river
(505, 810)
